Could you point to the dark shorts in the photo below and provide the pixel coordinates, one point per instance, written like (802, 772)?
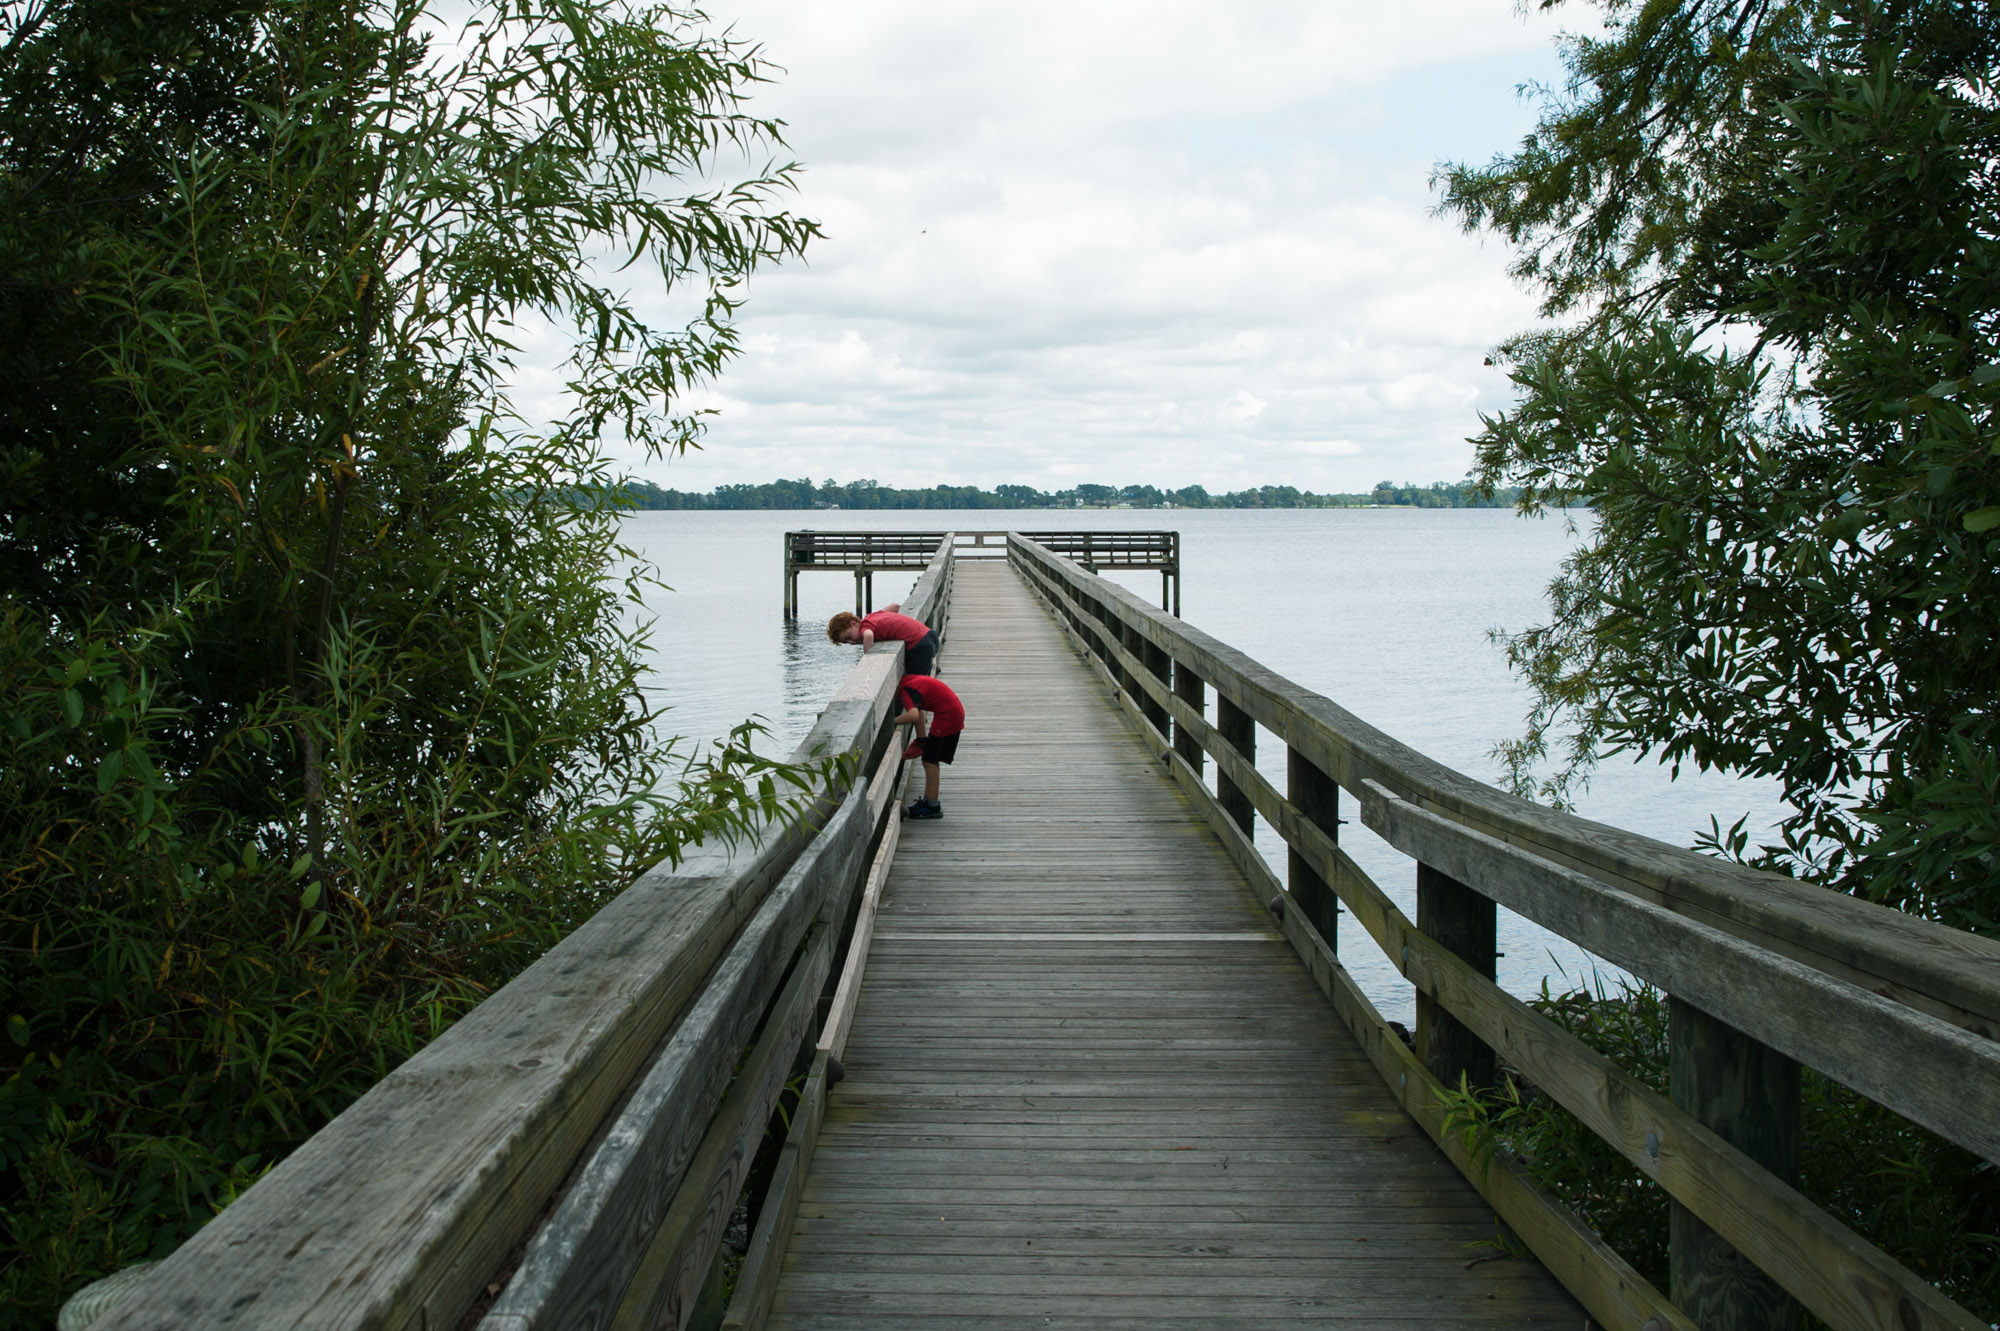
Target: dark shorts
(917, 656)
(941, 748)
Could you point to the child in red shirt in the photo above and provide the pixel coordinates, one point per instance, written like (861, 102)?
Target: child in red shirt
(920, 641)
(936, 742)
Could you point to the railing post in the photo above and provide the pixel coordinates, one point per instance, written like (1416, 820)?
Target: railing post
(1159, 667)
(1239, 732)
(1189, 689)
(1317, 797)
(1748, 1094)
(1465, 923)
(1112, 633)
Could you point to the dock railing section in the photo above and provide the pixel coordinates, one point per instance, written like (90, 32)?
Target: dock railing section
(866, 553)
(1763, 974)
(569, 1153)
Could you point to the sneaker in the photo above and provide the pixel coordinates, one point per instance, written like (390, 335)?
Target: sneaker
(924, 809)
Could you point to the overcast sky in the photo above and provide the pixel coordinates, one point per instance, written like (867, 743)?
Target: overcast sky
(1168, 242)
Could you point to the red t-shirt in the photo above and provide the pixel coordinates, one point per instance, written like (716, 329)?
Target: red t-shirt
(888, 626)
(933, 696)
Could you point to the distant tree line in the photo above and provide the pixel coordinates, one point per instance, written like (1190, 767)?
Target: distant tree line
(874, 495)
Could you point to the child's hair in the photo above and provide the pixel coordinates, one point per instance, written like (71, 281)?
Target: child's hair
(840, 623)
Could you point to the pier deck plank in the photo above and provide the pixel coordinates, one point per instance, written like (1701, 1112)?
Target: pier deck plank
(1090, 1086)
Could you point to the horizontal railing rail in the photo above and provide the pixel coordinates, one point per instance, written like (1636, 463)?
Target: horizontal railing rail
(866, 553)
(572, 1148)
(1763, 973)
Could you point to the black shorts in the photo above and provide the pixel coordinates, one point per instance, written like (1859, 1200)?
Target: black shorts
(941, 748)
(918, 656)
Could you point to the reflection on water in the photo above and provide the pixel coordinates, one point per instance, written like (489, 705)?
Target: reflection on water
(1386, 611)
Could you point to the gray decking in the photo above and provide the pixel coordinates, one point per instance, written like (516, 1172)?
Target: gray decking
(1090, 1086)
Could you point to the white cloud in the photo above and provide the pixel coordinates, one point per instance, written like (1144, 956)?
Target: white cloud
(1126, 242)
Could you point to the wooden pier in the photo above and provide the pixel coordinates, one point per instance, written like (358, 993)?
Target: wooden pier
(866, 553)
(1089, 1085)
(1076, 1056)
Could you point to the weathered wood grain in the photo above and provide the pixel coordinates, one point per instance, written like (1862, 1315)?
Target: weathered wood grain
(663, 1288)
(1845, 1280)
(485, 1123)
(1076, 1022)
(757, 1282)
(1925, 1068)
(577, 1267)
(1943, 971)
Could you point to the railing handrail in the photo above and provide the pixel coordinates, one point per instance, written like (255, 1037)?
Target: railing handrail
(1943, 971)
(402, 1210)
(1656, 913)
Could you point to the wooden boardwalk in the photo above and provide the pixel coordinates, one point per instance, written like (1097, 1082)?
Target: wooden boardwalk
(1089, 1085)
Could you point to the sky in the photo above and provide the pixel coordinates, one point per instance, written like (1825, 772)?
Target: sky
(1164, 243)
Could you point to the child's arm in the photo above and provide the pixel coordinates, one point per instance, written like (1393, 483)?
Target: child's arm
(913, 717)
(893, 607)
(867, 639)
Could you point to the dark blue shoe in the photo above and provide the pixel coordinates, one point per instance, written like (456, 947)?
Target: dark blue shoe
(924, 809)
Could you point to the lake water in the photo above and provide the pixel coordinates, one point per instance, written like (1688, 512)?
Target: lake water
(1386, 611)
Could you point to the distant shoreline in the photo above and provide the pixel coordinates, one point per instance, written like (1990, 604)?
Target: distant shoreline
(805, 495)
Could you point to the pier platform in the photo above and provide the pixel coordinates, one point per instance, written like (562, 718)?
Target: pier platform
(1089, 1085)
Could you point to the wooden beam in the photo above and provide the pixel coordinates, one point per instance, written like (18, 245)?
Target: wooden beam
(1926, 1069)
(1464, 923)
(1747, 1094)
(1189, 689)
(1316, 797)
(578, 1265)
(669, 1277)
(1943, 971)
(1239, 732)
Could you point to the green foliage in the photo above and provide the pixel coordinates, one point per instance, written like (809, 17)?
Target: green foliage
(1768, 230)
(319, 705)
(1611, 1195)
(873, 495)
(1931, 1205)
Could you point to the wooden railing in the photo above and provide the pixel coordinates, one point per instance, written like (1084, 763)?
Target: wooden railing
(866, 553)
(569, 1153)
(1763, 974)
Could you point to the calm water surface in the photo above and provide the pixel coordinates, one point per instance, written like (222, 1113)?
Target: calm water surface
(1386, 611)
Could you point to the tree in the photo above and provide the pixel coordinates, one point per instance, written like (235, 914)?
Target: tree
(1764, 232)
(319, 704)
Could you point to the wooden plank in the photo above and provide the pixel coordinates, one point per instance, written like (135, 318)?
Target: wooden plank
(1748, 1095)
(1923, 1067)
(757, 1281)
(1949, 973)
(484, 1123)
(1602, 1281)
(840, 1016)
(670, 1275)
(1464, 923)
(1317, 798)
(1846, 1281)
(1079, 1020)
(577, 1266)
